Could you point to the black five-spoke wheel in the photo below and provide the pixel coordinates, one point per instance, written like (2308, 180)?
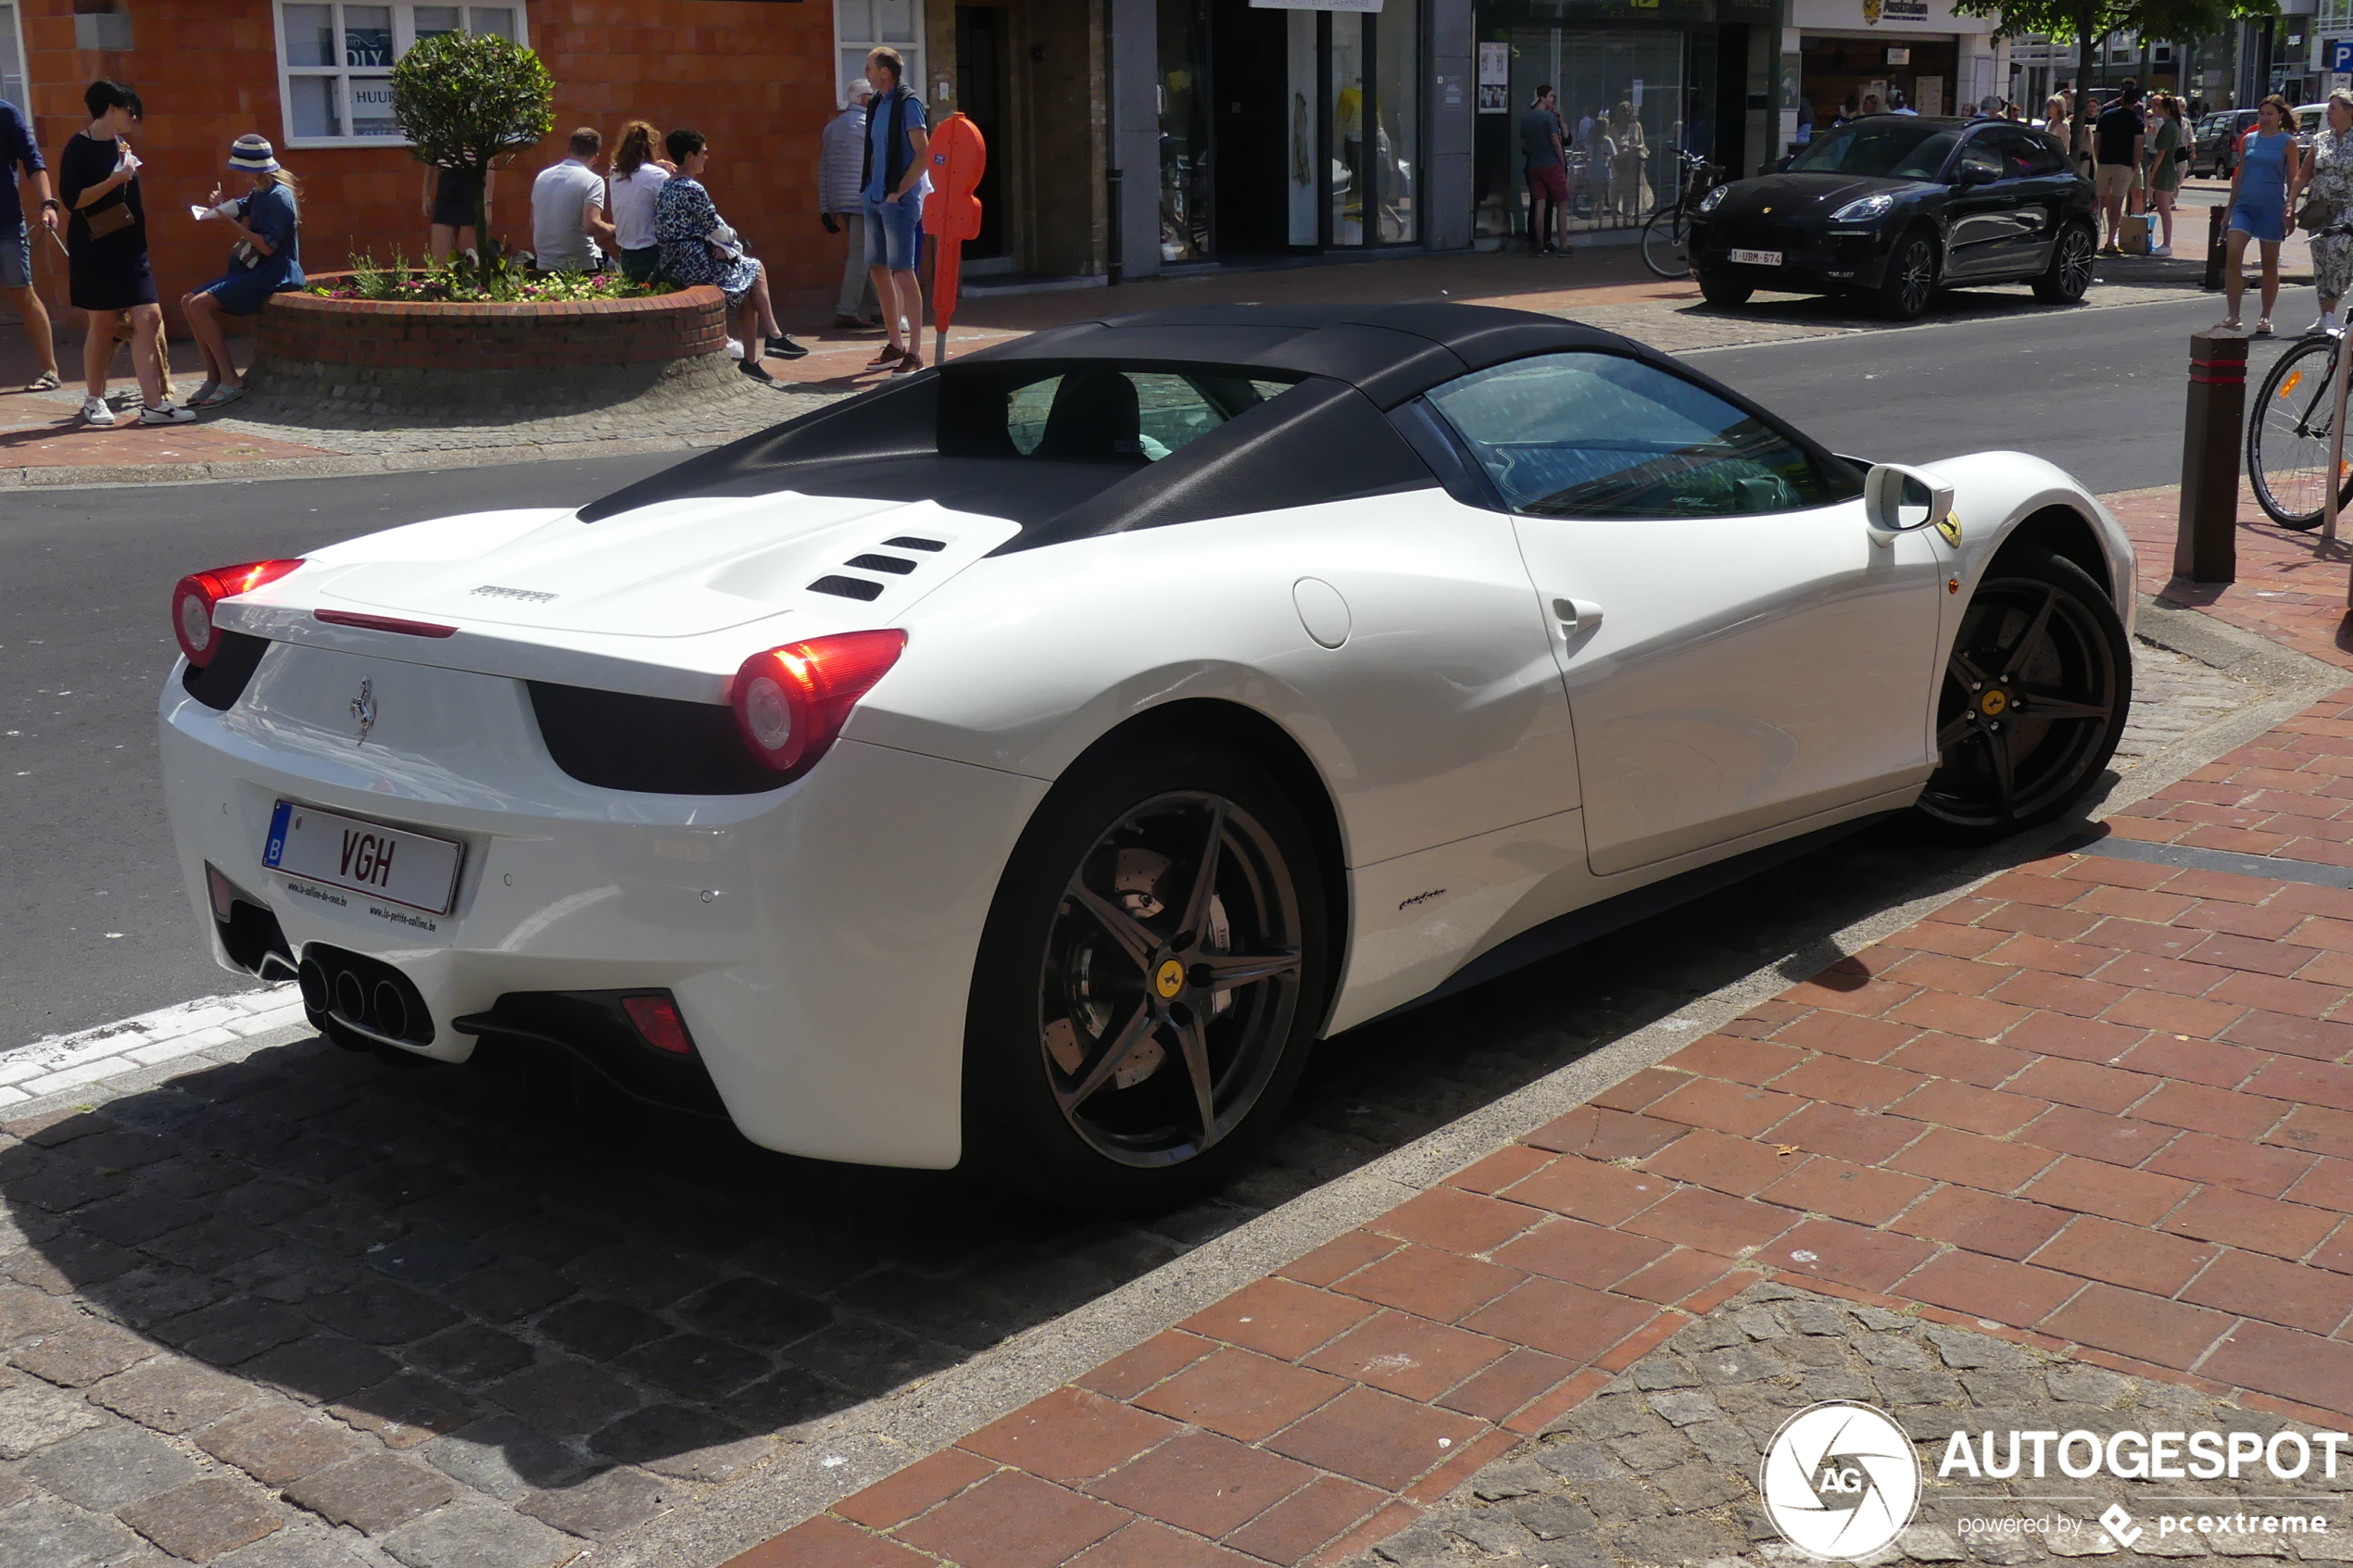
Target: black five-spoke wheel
(2034, 699)
(1169, 980)
(1149, 982)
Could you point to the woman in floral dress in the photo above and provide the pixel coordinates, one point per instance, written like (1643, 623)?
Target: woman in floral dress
(698, 248)
(2330, 183)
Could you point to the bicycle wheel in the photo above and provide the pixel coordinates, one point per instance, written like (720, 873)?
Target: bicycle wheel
(1664, 250)
(2287, 437)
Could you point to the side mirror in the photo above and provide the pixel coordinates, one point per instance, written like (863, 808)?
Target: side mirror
(1901, 500)
(1974, 174)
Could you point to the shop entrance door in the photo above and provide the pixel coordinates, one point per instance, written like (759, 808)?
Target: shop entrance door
(1250, 79)
(980, 92)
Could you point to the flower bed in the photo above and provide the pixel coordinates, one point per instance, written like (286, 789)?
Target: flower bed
(303, 327)
(323, 361)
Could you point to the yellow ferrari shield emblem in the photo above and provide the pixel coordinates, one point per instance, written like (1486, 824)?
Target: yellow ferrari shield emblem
(1949, 526)
(1170, 980)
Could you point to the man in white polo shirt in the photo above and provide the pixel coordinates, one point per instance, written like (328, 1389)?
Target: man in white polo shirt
(568, 210)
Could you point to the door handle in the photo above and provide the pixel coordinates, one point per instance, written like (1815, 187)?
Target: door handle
(1578, 616)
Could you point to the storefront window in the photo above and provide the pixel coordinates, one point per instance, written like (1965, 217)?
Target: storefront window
(863, 26)
(335, 62)
(12, 62)
(1185, 229)
(1350, 175)
(1396, 150)
(1625, 109)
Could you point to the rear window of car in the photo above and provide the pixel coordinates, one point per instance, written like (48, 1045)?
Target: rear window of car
(1087, 408)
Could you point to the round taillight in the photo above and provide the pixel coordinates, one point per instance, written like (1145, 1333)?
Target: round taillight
(791, 702)
(191, 618)
(194, 595)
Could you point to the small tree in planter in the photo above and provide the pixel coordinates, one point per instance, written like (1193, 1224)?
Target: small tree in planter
(465, 100)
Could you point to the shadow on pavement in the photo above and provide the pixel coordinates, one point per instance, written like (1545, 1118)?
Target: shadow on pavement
(544, 1306)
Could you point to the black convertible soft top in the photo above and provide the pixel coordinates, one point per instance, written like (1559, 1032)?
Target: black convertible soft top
(1346, 427)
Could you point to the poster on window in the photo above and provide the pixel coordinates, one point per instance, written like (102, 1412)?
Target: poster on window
(1494, 77)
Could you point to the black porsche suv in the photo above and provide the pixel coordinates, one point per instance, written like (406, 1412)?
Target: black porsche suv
(1895, 207)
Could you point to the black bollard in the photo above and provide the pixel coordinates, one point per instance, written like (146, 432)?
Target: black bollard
(2215, 217)
(2206, 545)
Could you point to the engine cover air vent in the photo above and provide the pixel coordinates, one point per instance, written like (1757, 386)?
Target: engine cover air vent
(847, 587)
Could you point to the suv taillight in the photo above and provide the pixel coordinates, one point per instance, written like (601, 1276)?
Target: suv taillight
(193, 599)
(791, 702)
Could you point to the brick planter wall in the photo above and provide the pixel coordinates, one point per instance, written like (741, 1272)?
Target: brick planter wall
(334, 363)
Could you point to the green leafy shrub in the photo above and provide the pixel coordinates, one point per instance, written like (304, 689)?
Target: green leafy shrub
(466, 99)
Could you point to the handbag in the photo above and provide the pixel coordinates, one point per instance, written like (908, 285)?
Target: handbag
(108, 220)
(2315, 215)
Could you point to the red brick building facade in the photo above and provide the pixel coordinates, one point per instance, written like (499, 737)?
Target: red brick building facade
(757, 76)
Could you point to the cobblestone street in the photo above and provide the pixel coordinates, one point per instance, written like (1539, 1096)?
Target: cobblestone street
(1660, 1467)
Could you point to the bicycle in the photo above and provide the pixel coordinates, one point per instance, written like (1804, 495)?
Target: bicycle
(2288, 436)
(1665, 238)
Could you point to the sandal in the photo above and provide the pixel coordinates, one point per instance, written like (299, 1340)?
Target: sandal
(47, 380)
(219, 398)
(887, 358)
(203, 394)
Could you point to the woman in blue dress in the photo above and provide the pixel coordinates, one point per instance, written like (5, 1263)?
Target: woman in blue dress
(267, 261)
(2270, 171)
(698, 248)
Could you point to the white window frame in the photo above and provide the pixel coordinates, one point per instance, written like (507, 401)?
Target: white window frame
(404, 37)
(23, 99)
(914, 52)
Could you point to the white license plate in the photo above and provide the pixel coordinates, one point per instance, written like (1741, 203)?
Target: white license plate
(393, 864)
(1757, 257)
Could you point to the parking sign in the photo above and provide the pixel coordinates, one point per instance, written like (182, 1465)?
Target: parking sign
(2341, 54)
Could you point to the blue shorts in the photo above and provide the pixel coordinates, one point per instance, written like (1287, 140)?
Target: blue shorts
(895, 232)
(16, 255)
(2260, 220)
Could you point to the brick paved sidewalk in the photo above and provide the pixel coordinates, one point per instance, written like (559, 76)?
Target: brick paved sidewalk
(2101, 1101)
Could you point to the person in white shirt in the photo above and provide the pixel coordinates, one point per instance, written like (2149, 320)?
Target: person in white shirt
(638, 173)
(568, 210)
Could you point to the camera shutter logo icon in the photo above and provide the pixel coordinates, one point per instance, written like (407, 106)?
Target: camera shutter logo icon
(1839, 1480)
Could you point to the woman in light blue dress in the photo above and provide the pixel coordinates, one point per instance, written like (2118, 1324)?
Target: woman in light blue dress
(2269, 171)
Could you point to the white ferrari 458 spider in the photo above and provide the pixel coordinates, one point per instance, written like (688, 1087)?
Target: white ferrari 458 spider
(1024, 764)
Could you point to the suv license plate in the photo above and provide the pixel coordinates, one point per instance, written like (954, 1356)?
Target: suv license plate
(1757, 257)
(394, 864)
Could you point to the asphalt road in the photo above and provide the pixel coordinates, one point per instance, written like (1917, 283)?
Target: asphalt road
(97, 925)
(98, 928)
(2098, 392)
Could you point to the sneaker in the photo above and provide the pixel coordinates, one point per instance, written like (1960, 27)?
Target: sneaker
(757, 371)
(735, 349)
(2227, 328)
(170, 414)
(783, 347)
(2263, 327)
(95, 412)
(849, 323)
(2160, 251)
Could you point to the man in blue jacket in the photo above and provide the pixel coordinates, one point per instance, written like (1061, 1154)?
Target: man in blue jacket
(18, 151)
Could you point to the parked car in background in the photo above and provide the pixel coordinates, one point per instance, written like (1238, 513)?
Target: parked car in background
(2218, 143)
(1894, 209)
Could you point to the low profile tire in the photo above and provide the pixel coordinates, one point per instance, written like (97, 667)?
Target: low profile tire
(1150, 983)
(2069, 277)
(1911, 278)
(1724, 294)
(2034, 699)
